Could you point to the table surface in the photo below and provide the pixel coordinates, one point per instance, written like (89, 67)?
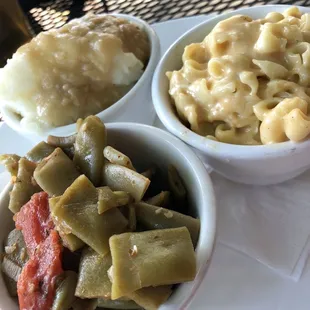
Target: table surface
(44, 15)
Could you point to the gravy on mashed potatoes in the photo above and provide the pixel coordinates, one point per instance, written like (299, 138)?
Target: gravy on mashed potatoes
(79, 69)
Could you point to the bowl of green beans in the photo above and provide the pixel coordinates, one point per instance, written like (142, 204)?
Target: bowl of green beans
(118, 216)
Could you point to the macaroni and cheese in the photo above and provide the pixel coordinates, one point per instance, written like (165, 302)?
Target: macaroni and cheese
(248, 81)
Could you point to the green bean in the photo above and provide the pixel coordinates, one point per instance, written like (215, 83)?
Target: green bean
(85, 304)
(24, 185)
(69, 151)
(81, 190)
(117, 304)
(129, 212)
(132, 219)
(151, 298)
(55, 173)
(15, 248)
(107, 199)
(153, 217)
(69, 240)
(93, 280)
(11, 285)
(149, 172)
(89, 145)
(64, 297)
(11, 269)
(15, 256)
(122, 198)
(39, 152)
(116, 157)
(176, 183)
(120, 178)
(151, 258)
(82, 220)
(160, 200)
(62, 142)
(10, 161)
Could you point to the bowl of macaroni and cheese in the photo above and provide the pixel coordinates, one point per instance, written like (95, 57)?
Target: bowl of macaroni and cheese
(237, 89)
(97, 64)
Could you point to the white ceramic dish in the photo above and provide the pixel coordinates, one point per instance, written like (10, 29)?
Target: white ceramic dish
(262, 165)
(125, 109)
(134, 140)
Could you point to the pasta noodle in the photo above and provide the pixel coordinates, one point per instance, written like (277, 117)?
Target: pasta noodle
(248, 81)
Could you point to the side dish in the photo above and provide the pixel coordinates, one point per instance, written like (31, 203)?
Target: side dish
(248, 81)
(93, 230)
(77, 70)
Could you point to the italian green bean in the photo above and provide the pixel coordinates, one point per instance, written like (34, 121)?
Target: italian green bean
(160, 200)
(107, 199)
(65, 298)
(120, 178)
(10, 161)
(176, 183)
(39, 152)
(153, 217)
(83, 220)
(116, 157)
(151, 258)
(69, 240)
(151, 298)
(89, 144)
(117, 304)
(93, 280)
(24, 185)
(55, 173)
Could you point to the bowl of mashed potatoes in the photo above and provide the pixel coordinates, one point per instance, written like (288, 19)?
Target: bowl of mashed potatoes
(237, 89)
(94, 65)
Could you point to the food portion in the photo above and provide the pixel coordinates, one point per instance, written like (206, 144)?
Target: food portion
(248, 81)
(36, 286)
(55, 173)
(34, 221)
(14, 258)
(151, 258)
(74, 71)
(24, 185)
(92, 229)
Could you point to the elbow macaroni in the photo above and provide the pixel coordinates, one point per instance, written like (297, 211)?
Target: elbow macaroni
(248, 81)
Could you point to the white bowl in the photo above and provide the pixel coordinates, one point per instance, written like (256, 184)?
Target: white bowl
(147, 145)
(135, 106)
(263, 164)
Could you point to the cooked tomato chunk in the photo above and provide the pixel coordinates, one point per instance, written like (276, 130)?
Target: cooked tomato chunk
(34, 221)
(36, 285)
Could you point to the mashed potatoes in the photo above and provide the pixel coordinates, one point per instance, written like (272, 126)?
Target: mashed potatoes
(79, 69)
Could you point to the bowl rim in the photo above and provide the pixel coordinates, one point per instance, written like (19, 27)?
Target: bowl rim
(107, 113)
(214, 148)
(206, 200)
